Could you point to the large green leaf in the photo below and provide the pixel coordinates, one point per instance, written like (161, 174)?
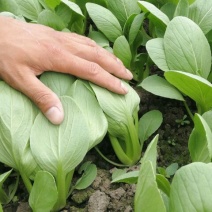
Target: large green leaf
(200, 141)
(10, 6)
(51, 19)
(148, 124)
(59, 83)
(105, 21)
(92, 111)
(196, 87)
(16, 120)
(186, 47)
(29, 8)
(123, 9)
(73, 6)
(60, 147)
(135, 27)
(99, 38)
(89, 173)
(169, 9)
(151, 153)
(121, 49)
(159, 86)
(156, 16)
(191, 188)
(201, 13)
(44, 192)
(116, 106)
(147, 196)
(208, 118)
(155, 49)
(52, 3)
(182, 8)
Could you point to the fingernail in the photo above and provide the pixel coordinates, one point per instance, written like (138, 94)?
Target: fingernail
(55, 115)
(129, 73)
(124, 87)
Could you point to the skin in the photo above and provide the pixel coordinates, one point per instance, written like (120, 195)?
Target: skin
(28, 50)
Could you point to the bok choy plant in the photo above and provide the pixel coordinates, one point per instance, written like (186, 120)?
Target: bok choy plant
(122, 116)
(43, 152)
(185, 57)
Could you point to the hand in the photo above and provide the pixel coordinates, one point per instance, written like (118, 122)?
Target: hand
(27, 50)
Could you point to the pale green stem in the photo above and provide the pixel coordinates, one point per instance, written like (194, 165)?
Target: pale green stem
(119, 151)
(69, 178)
(108, 160)
(61, 188)
(188, 110)
(134, 142)
(26, 181)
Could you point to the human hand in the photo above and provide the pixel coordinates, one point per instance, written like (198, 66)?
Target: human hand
(27, 50)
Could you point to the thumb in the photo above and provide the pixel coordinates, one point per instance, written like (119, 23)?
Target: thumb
(46, 100)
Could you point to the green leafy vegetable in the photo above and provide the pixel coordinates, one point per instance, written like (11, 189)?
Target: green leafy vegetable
(201, 13)
(123, 9)
(44, 185)
(156, 16)
(121, 113)
(105, 21)
(29, 8)
(200, 141)
(58, 151)
(147, 190)
(148, 124)
(16, 119)
(191, 188)
(89, 172)
(49, 18)
(161, 87)
(196, 87)
(121, 49)
(186, 47)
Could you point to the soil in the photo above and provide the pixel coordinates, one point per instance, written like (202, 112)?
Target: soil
(103, 196)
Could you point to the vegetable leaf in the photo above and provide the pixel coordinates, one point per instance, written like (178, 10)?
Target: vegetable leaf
(191, 188)
(16, 120)
(123, 9)
(91, 109)
(29, 8)
(155, 49)
(148, 124)
(156, 16)
(44, 192)
(121, 49)
(147, 196)
(201, 13)
(159, 86)
(196, 87)
(186, 47)
(200, 141)
(49, 18)
(57, 148)
(105, 21)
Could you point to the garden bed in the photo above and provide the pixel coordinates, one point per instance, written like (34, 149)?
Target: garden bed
(103, 196)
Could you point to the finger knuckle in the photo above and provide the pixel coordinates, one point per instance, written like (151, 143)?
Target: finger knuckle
(93, 69)
(41, 98)
(52, 48)
(99, 52)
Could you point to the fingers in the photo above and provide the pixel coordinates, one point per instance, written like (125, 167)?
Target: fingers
(87, 70)
(46, 100)
(87, 49)
(105, 59)
(77, 38)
